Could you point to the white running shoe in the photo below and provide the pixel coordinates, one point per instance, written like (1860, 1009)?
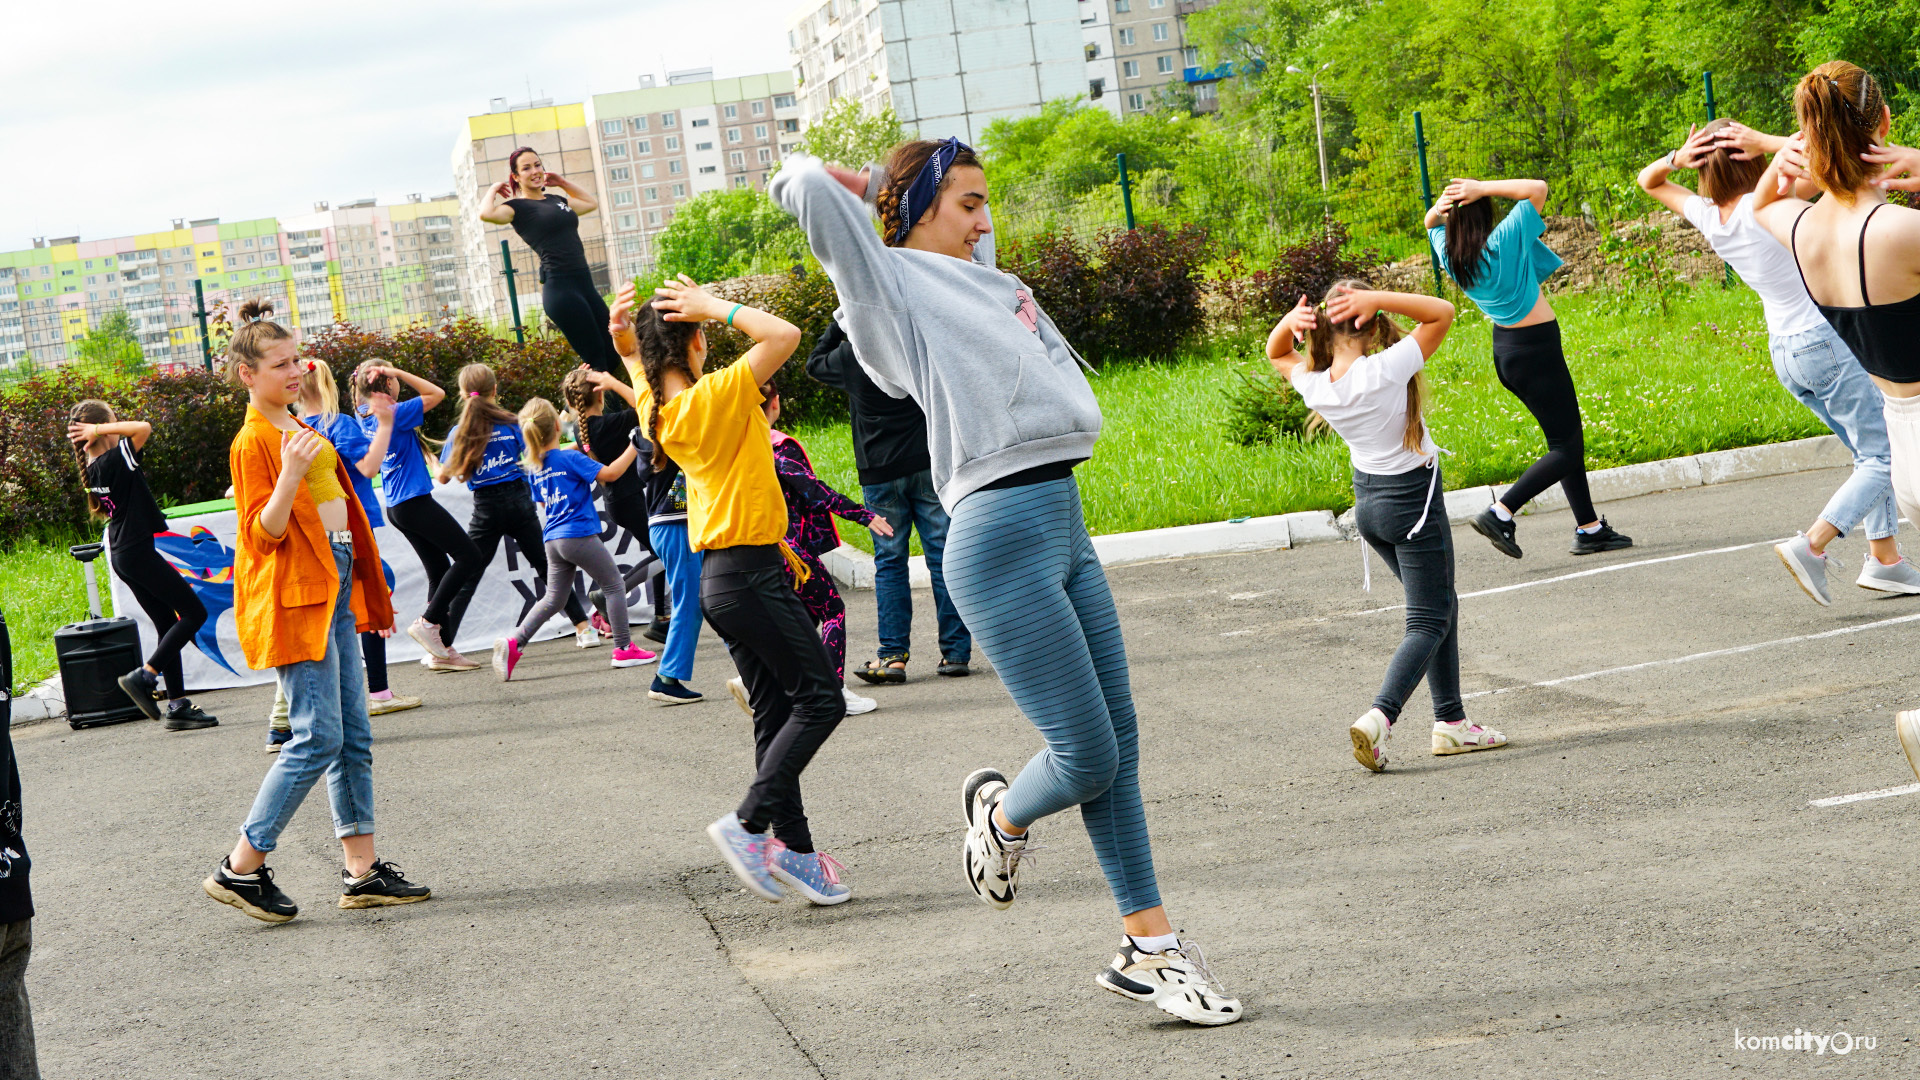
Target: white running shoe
(737, 686)
(453, 661)
(1177, 981)
(1902, 577)
(1370, 734)
(428, 635)
(1809, 570)
(991, 864)
(1464, 737)
(856, 705)
(1907, 727)
(587, 638)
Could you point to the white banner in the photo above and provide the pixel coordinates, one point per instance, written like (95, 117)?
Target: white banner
(200, 546)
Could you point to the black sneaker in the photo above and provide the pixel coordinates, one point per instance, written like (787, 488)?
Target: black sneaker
(141, 685)
(952, 668)
(656, 631)
(277, 739)
(1499, 533)
(1601, 539)
(382, 886)
(185, 716)
(255, 894)
(673, 692)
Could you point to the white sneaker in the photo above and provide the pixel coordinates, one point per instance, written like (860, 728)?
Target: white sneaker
(737, 686)
(1370, 734)
(428, 635)
(1464, 737)
(587, 638)
(1808, 570)
(1901, 577)
(992, 865)
(1177, 981)
(1907, 727)
(856, 704)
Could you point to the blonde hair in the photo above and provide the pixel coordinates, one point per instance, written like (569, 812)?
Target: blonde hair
(1839, 107)
(540, 427)
(1379, 333)
(317, 383)
(256, 335)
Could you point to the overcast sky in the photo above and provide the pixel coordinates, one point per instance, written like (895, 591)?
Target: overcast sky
(133, 114)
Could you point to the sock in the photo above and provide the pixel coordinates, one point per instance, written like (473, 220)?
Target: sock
(1158, 944)
(1502, 512)
(179, 705)
(380, 695)
(1588, 530)
(1006, 838)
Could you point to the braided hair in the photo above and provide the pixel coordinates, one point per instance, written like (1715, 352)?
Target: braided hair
(664, 346)
(90, 411)
(903, 167)
(1839, 107)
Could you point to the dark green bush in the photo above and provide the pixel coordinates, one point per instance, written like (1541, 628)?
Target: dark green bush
(807, 300)
(1120, 294)
(1307, 268)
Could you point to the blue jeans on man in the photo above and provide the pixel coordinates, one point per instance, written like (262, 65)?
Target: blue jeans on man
(909, 504)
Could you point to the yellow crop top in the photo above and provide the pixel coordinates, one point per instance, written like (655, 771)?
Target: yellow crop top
(323, 481)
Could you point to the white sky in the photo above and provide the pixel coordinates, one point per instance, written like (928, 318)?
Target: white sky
(131, 114)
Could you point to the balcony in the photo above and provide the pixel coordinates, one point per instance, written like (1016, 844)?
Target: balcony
(1184, 8)
(1224, 71)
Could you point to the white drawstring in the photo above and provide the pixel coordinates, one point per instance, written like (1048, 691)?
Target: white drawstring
(1433, 480)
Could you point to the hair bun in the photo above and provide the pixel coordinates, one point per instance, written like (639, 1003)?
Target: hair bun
(257, 308)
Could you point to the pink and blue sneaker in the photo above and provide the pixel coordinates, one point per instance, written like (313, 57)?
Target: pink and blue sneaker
(747, 855)
(815, 873)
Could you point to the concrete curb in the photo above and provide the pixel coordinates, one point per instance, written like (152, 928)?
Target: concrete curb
(853, 569)
(44, 702)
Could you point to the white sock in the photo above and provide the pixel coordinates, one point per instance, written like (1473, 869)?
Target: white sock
(1502, 512)
(1005, 836)
(1588, 530)
(1158, 944)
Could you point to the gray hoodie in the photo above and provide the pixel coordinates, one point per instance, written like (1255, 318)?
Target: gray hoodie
(1002, 390)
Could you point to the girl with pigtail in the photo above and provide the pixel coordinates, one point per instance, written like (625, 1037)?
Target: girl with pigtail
(604, 434)
(1367, 382)
(108, 452)
(484, 449)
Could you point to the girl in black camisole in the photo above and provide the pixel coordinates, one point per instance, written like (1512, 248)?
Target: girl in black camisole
(549, 222)
(1885, 337)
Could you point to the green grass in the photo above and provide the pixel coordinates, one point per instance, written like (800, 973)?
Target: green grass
(1651, 387)
(42, 589)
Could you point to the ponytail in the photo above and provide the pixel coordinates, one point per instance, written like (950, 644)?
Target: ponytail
(539, 427)
(1840, 108)
(478, 413)
(1381, 334)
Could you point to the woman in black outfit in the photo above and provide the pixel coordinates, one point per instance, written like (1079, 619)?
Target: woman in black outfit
(550, 225)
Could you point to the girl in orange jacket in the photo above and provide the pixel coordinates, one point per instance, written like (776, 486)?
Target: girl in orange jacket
(307, 580)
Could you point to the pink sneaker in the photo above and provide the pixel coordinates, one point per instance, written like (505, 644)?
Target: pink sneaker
(600, 623)
(506, 653)
(632, 656)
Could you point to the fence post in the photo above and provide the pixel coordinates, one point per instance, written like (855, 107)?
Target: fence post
(1426, 194)
(200, 312)
(513, 297)
(1126, 189)
(1712, 114)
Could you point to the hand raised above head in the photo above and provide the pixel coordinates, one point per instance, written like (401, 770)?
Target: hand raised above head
(683, 300)
(1353, 307)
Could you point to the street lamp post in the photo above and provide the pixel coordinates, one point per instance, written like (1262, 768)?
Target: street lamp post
(1319, 129)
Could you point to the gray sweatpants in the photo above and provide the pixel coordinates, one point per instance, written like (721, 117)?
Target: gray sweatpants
(563, 558)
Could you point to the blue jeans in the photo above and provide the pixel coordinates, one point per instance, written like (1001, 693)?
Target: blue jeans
(683, 585)
(909, 502)
(327, 707)
(1819, 369)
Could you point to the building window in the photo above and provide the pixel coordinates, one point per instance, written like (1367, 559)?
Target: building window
(626, 221)
(759, 108)
(1126, 35)
(1159, 31)
(621, 175)
(616, 151)
(705, 169)
(642, 146)
(1190, 56)
(679, 191)
(675, 168)
(612, 127)
(652, 194)
(1163, 64)
(1136, 102)
(623, 198)
(1096, 89)
(740, 180)
(731, 112)
(737, 159)
(1156, 3)
(653, 217)
(766, 155)
(673, 143)
(666, 120)
(702, 122)
(733, 135)
(639, 123)
(1123, 6)
(783, 101)
(646, 171)
(760, 132)
(1130, 69)
(790, 125)
(703, 146)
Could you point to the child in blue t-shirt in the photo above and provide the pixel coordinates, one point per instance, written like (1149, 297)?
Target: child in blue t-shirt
(563, 483)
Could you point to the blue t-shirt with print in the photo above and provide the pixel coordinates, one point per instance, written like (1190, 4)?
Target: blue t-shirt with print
(500, 464)
(1512, 267)
(351, 442)
(403, 472)
(564, 485)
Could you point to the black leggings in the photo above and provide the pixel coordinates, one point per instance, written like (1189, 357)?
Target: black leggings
(169, 602)
(438, 541)
(576, 308)
(1532, 368)
(505, 510)
(373, 650)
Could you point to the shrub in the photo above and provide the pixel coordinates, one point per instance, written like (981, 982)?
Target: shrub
(1642, 281)
(1308, 268)
(1126, 293)
(1263, 408)
(807, 300)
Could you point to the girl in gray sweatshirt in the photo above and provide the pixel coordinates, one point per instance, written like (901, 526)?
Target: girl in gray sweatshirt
(1009, 415)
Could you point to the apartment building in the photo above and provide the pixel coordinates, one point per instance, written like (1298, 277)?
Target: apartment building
(947, 67)
(658, 146)
(380, 267)
(1103, 68)
(1152, 49)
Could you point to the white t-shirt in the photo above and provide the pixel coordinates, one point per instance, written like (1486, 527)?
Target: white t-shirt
(1368, 407)
(1761, 261)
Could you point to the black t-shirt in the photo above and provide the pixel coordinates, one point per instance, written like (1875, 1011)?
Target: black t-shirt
(666, 486)
(550, 228)
(16, 899)
(607, 436)
(116, 480)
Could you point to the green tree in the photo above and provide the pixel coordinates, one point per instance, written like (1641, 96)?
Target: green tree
(846, 134)
(112, 344)
(723, 234)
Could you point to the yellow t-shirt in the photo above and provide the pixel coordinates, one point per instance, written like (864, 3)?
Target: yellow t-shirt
(717, 433)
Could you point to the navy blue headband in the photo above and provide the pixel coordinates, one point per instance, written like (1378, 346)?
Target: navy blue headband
(920, 194)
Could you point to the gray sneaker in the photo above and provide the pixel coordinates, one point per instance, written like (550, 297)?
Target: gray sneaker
(1902, 577)
(1808, 569)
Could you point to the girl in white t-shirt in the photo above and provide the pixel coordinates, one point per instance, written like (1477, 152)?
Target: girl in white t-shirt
(1809, 358)
(1365, 381)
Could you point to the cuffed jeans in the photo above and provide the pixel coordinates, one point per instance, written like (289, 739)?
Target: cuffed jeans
(327, 707)
(910, 503)
(1818, 368)
(1386, 508)
(18, 1060)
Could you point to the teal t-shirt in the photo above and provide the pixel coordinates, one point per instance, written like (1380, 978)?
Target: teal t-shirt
(1512, 267)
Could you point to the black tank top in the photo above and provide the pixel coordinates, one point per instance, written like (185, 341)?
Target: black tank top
(550, 228)
(1885, 337)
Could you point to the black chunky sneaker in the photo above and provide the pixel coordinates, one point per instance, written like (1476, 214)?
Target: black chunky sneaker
(1601, 539)
(185, 716)
(382, 886)
(141, 685)
(255, 894)
(1499, 533)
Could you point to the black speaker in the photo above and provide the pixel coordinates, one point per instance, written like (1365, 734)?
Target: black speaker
(93, 655)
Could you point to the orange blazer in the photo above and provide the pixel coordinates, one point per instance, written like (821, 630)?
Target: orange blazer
(284, 587)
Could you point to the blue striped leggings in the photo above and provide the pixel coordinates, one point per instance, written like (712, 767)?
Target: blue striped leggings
(1026, 581)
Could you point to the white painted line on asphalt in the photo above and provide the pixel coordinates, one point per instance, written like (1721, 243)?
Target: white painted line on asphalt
(1735, 651)
(1883, 793)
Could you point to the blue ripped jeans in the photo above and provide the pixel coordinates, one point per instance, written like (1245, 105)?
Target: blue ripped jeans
(1818, 368)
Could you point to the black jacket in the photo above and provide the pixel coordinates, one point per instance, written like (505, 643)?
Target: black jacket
(889, 434)
(16, 899)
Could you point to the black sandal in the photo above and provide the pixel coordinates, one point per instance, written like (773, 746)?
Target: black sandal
(882, 670)
(952, 668)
